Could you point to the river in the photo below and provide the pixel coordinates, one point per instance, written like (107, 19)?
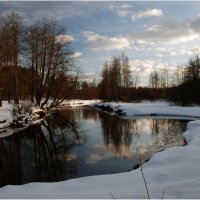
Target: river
(77, 142)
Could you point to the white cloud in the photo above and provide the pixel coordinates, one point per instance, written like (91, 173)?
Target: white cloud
(142, 66)
(100, 42)
(147, 13)
(145, 67)
(122, 13)
(64, 38)
(122, 10)
(90, 77)
(169, 51)
(154, 28)
(172, 32)
(125, 6)
(77, 54)
(91, 36)
(181, 52)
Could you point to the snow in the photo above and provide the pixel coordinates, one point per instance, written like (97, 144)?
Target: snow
(174, 171)
(20, 116)
(5, 115)
(78, 102)
(159, 108)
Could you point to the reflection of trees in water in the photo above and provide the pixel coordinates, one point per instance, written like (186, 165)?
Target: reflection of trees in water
(90, 114)
(85, 113)
(10, 160)
(43, 157)
(117, 134)
(170, 133)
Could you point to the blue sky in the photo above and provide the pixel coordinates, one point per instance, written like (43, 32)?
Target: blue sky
(151, 33)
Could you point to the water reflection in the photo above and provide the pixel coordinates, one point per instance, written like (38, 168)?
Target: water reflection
(80, 142)
(117, 134)
(36, 154)
(125, 137)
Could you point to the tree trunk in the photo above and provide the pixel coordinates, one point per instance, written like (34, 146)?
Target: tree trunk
(0, 97)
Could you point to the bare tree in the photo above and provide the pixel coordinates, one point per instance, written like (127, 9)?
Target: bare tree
(178, 76)
(164, 76)
(10, 36)
(116, 79)
(126, 76)
(105, 84)
(52, 60)
(154, 79)
(13, 23)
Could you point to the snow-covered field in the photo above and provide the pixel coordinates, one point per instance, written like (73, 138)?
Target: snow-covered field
(174, 172)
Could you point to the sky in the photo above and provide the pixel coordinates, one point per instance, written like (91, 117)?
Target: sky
(152, 34)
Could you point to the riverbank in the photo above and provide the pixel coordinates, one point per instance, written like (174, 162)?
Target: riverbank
(14, 118)
(173, 172)
(26, 113)
(149, 109)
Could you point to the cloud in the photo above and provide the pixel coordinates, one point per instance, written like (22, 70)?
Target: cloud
(64, 38)
(145, 67)
(172, 32)
(100, 42)
(155, 27)
(90, 77)
(167, 51)
(147, 13)
(122, 10)
(142, 66)
(195, 25)
(77, 54)
(181, 52)
(122, 13)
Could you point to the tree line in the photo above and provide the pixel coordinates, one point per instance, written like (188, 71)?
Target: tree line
(36, 61)
(180, 85)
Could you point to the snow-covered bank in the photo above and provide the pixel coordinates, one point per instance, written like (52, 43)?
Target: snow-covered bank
(78, 102)
(159, 108)
(174, 171)
(5, 115)
(30, 112)
(14, 118)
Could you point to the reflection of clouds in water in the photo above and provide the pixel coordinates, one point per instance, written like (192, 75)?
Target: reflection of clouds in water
(147, 150)
(144, 144)
(101, 152)
(94, 158)
(144, 126)
(98, 153)
(91, 120)
(121, 151)
(70, 157)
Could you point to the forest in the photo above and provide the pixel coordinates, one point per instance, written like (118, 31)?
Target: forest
(37, 63)
(119, 83)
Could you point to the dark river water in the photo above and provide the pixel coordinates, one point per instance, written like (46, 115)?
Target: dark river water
(82, 142)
